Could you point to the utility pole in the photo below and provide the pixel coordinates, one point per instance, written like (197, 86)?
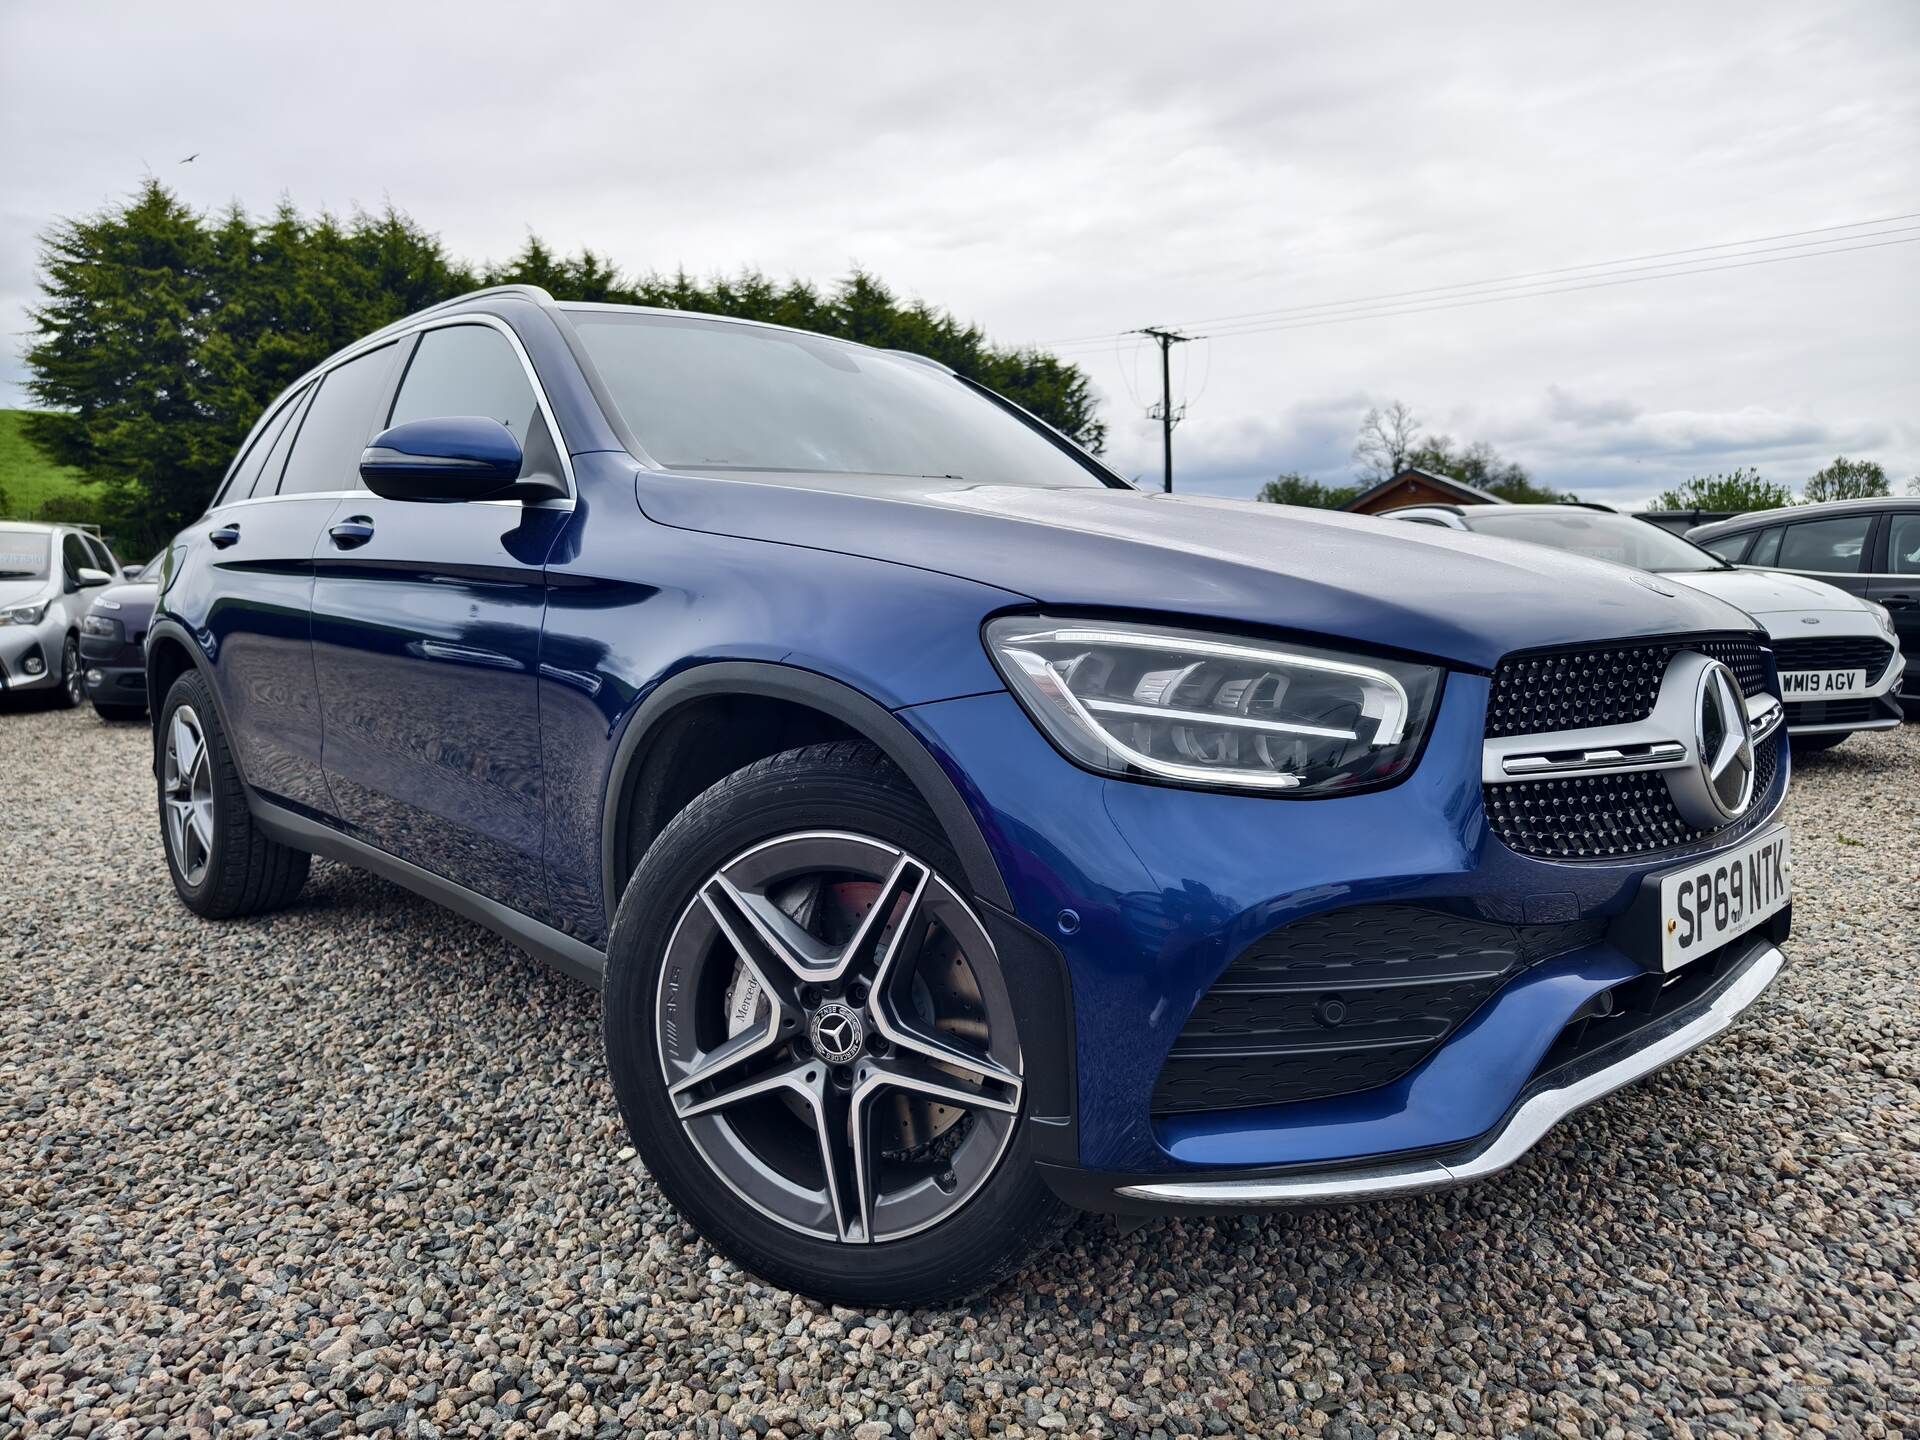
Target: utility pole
(1164, 413)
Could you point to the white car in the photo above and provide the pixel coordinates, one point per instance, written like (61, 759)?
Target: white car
(48, 576)
(1838, 655)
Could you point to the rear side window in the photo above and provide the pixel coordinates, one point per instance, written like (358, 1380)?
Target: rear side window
(1729, 547)
(1835, 546)
(1766, 550)
(467, 370)
(1903, 544)
(246, 475)
(338, 424)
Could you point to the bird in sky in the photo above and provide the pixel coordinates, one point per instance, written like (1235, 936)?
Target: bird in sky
(191, 158)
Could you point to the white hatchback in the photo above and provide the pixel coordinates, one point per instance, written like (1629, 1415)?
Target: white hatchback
(1838, 655)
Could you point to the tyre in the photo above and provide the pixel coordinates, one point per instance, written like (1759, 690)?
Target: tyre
(1814, 744)
(71, 688)
(119, 714)
(222, 865)
(813, 1045)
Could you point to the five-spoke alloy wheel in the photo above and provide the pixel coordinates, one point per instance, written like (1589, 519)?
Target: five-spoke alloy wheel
(814, 1042)
(186, 792)
(831, 978)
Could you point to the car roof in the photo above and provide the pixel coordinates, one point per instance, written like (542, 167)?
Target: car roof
(1815, 511)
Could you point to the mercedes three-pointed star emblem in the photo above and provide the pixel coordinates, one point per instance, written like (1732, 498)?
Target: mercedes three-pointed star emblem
(1725, 742)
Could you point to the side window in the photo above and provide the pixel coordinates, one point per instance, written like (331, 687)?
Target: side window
(1829, 545)
(1766, 550)
(103, 557)
(1730, 547)
(73, 556)
(339, 422)
(246, 475)
(467, 370)
(1903, 543)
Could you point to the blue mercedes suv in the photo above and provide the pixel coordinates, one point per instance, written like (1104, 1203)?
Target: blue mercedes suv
(960, 837)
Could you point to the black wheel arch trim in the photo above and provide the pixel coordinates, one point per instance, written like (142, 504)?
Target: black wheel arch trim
(165, 628)
(841, 702)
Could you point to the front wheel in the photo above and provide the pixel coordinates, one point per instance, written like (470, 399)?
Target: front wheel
(71, 688)
(813, 1044)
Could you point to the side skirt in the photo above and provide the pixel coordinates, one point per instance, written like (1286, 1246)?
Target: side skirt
(571, 957)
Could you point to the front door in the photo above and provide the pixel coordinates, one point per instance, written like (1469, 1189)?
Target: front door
(426, 627)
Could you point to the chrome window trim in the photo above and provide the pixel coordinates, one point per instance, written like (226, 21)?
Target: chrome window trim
(1845, 574)
(392, 335)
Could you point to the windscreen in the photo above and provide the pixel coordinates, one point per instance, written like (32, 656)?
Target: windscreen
(1598, 535)
(24, 554)
(709, 395)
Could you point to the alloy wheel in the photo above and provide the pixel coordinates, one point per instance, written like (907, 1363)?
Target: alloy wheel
(71, 675)
(186, 793)
(837, 1038)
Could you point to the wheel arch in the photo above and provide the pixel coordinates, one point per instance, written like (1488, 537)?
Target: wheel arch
(764, 708)
(171, 652)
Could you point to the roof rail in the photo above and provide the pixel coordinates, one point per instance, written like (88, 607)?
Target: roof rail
(537, 294)
(1592, 505)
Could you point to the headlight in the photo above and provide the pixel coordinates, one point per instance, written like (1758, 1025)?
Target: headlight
(1152, 703)
(1885, 617)
(28, 614)
(100, 625)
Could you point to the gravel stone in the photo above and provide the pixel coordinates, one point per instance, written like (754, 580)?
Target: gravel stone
(355, 1168)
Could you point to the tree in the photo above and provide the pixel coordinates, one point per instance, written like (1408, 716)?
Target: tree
(1387, 437)
(1483, 467)
(1294, 488)
(162, 333)
(1847, 479)
(1737, 490)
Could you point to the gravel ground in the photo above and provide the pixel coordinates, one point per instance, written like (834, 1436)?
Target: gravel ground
(355, 1169)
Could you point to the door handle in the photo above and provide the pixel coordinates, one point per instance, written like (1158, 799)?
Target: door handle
(223, 537)
(1899, 602)
(352, 532)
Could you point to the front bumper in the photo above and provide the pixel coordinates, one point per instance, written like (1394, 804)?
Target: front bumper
(1549, 1099)
(1149, 894)
(1876, 708)
(21, 646)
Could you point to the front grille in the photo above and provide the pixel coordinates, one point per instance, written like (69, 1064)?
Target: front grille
(1344, 1001)
(1587, 817)
(1613, 684)
(1858, 652)
(1834, 712)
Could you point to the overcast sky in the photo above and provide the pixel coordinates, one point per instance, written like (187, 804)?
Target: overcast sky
(1060, 171)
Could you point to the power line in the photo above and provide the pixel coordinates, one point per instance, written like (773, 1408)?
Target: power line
(1535, 275)
(1385, 312)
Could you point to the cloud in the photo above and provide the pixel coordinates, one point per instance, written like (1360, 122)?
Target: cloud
(1109, 171)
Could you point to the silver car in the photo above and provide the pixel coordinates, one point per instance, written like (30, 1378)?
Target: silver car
(48, 574)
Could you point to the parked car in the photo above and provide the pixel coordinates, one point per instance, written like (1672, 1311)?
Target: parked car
(47, 574)
(1839, 657)
(1869, 548)
(960, 834)
(113, 642)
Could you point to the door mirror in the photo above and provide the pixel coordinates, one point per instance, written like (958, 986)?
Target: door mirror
(461, 457)
(90, 576)
(132, 572)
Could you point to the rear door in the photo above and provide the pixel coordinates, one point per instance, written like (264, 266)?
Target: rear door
(251, 599)
(427, 641)
(1897, 587)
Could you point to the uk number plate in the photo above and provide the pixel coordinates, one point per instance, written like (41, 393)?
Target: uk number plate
(1822, 684)
(1706, 905)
